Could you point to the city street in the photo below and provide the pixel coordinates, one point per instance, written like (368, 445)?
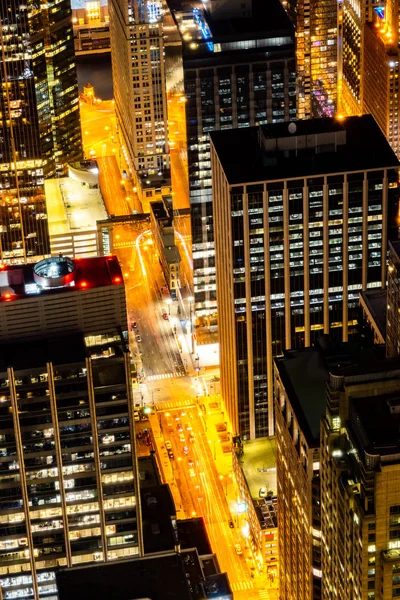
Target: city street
(200, 485)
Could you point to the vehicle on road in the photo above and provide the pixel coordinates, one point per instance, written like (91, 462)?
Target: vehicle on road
(179, 427)
(171, 455)
(262, 492)
(192, 473)
(136, 416)
(231, 524)
(133, 324)
(182, 438)
(191, 438)
(238, 549)
(185, 450)
(168, 445)
(165, 316)
(138, 338)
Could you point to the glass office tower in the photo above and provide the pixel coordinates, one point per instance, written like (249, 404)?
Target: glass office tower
(237, 72)
(302, 215)
(39, 118)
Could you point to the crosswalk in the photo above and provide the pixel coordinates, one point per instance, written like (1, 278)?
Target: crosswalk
(165, 376)
(240, 586)
(124, 244)
(174, 405)
(264, 595)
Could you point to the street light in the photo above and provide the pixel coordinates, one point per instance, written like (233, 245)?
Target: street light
(191, 321)
(168, 301)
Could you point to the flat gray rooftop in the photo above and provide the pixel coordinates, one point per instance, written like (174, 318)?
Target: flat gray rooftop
(260, 455)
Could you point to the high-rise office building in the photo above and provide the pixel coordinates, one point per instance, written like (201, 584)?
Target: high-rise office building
(68, 468)
(370, 65)
(299, 389)
(380, 81)
(137, 50)
(301, 214)
(39, 119)
(238, 70)
(360, 482)
(316, 26)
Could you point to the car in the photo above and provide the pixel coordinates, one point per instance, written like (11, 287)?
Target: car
(165, 316)
(138, 338)
(190, 462)
(188, 428)
(238, 549)
(170, 455)
(133, 324)
(262, 492)
(168, 445)
(182, 438)
(179, 427)
(185, 450)
(136, 416)
(231, 524)
(192, 473)
(169, 427)
(191, 438)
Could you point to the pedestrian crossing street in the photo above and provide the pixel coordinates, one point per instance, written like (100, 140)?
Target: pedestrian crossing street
(240, 586)
(124, 244)
(174, 405)
(165, 376)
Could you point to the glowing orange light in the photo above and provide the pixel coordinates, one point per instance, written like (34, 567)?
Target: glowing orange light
(117, 279)
(2, 266)
(7, 296)
(83, 284)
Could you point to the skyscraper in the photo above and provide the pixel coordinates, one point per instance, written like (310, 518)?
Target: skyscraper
(238, 70)
(360, 481)
(68, 469)
(301, 215)
(39, 118)
(137, 50)
(316, 27)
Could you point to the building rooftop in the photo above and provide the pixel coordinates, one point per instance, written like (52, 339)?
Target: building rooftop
(375, 303)
(159, 577)
(288, 151)
(192, 534)
(267, 19)
(58, 274)
(259, 465)
(203, 33)
(72, 207)
(304, 374)
(375, 420)
(157, 511)
(62, 350)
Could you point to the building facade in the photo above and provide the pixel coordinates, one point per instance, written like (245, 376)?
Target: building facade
(68, 468)
(360, 483)
(301, 214)
(137, 50)
(381, 83)
(316, 26)
(299, 391)
(39, 119)
(237, 72)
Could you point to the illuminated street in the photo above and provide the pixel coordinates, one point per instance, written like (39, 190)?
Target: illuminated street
(200, 485)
